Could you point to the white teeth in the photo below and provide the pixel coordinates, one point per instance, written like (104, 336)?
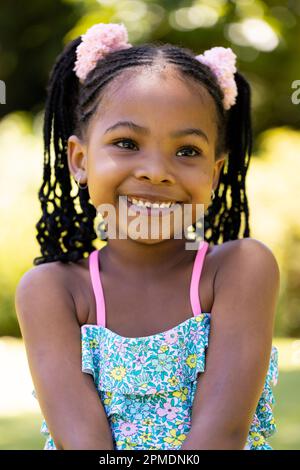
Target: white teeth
(155, 205)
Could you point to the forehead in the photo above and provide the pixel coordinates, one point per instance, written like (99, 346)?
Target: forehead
(156, 96)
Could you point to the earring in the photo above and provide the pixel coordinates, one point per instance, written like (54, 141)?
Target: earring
(77, 179)
(213, 194)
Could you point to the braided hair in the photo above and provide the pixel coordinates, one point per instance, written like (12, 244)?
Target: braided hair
(65, 230)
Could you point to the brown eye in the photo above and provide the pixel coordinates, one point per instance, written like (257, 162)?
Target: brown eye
(126, 141)
(191, 148)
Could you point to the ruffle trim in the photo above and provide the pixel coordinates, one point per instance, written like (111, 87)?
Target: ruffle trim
(263, 421)
(158, 364)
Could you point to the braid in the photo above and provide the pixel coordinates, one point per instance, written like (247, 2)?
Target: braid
(65, 234)
(223, 220)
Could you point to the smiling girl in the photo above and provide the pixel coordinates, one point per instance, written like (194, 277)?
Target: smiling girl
(145, 344)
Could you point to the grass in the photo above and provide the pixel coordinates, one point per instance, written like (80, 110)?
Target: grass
(21, 432)
(287, 411)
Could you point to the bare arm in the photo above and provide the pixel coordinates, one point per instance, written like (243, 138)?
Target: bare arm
(242, 318)
(68, 398)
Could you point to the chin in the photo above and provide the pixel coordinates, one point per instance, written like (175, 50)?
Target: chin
(145, 240)
(149, 241)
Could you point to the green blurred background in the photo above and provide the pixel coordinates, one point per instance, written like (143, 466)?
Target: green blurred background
(265, 35)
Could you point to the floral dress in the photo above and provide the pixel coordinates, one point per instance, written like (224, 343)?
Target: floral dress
(147, 384)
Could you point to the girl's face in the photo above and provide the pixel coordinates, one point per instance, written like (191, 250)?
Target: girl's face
(152, 154)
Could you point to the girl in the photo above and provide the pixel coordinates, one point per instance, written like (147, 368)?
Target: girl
(124, 352)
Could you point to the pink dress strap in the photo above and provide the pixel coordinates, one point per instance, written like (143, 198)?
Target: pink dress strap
(197, 269)
(97, 286)
(94, 266)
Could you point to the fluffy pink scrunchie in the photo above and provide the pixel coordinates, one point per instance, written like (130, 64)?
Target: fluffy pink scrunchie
(103, 38)
(96, 43)
(221, 61)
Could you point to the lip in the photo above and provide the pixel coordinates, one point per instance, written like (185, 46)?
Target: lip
(152, 197)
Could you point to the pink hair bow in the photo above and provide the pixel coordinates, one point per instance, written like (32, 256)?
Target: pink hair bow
(96, 43)
(221, 61)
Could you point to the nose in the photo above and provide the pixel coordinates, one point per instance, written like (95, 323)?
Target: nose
(154, 169)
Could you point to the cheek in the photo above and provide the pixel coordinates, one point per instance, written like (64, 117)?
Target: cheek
(200, 183)
(200, 191)
(104, 178)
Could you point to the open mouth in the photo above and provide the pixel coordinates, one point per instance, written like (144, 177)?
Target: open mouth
(151, 208)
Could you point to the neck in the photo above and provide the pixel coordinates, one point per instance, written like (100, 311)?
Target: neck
(132, 256)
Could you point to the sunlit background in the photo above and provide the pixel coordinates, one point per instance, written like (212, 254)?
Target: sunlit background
(265, 37)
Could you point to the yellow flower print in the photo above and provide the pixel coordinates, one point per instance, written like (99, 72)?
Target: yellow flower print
(199, 317)
(257, 439)
(182, 394)
(107, 400)
(176, 439)
(118, 372)
(163, 348)
(178, 422)
(148, 422)
(272, 421)
(146, 436)
(173, 381)
(93, 343)
(191, 360)
(128, 444)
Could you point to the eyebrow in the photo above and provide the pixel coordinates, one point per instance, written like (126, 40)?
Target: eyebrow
(143, 130)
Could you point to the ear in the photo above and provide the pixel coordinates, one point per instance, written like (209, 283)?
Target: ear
(217, 169)
(77, 159)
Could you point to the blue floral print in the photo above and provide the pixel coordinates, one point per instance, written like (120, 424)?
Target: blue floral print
(147, 385)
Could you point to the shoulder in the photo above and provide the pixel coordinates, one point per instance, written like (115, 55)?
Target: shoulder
(58, 283)
(247, 271)
(45, 286)
(43, 275)
(246, 255)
